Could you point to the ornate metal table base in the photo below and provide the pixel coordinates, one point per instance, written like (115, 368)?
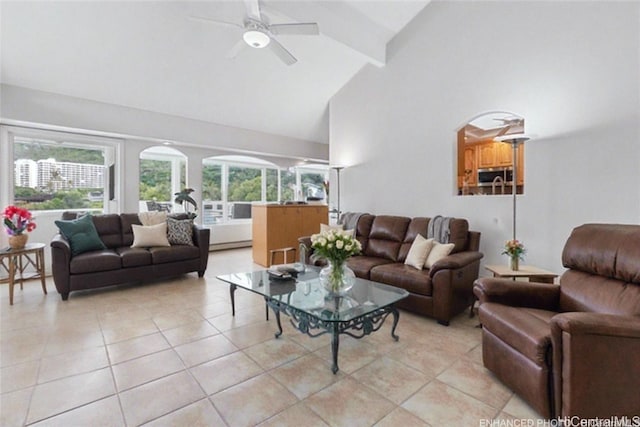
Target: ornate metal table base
(313, 326)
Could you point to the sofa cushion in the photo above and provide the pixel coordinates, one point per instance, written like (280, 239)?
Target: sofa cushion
(580, 291)
(525, 329)
(134, 257)
(403, 276)
(458, 234)
(126, 221)
(81, 234)
(615, 255)
(180, 232)
(161, 255)
(363, 229)
(387, 234)
(362, 265)
(108, 228)
(95, 261)
(417, 226)
(150, 236)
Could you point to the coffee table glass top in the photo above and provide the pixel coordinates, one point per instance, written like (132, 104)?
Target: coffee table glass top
(307, 294)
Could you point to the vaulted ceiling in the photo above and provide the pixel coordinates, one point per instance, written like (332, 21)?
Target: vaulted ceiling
(153, 56)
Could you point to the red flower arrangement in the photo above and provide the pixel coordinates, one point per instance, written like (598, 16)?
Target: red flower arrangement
(17, 220)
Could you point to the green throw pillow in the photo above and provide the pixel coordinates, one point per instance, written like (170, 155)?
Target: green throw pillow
(81, 234)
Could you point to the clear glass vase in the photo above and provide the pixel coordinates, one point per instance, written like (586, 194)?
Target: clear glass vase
(514, 263)
(337, 278)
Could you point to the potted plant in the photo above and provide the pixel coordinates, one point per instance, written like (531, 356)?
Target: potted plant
(184, 199)
(18, 222)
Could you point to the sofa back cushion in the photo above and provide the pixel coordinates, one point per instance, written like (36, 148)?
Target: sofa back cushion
(363, 229)
(604, 269)
(107, 226)
(126, 220)
(386, 236)
(417, 226)
(459, 234)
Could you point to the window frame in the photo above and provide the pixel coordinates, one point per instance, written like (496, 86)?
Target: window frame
(112, 149)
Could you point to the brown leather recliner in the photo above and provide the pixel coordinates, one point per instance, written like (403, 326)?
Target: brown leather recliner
(572, 349)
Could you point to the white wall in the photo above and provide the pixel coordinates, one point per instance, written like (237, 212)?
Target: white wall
(571, 69)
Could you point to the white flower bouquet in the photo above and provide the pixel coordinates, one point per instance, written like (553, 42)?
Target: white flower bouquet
(335, 246)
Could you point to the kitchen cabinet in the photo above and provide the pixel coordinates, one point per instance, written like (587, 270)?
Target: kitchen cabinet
(496, 155)
(469, 169)
(486, 155)
(504, 154)
(520, 171)
(280, 226)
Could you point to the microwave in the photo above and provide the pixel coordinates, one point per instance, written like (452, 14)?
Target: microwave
(487, 176)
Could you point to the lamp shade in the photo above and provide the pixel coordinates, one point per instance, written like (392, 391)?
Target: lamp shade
(516, 138)
(255, 38)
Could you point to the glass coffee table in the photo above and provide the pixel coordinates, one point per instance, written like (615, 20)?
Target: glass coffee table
(314, 312)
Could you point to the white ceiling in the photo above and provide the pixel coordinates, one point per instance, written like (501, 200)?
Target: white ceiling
(151, 56)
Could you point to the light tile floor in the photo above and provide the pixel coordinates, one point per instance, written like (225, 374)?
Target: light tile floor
(169, 353)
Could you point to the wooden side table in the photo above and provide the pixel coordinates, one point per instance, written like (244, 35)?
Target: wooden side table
(16, 261)
(529, 272)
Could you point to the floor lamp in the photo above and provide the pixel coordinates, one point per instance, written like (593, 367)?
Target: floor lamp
(338, 169)
(515, 140)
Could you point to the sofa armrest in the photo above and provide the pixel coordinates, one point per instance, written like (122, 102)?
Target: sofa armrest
(584, 323)
(517, 293)
(60, 264)
(455, 261)
(201, 237)
(596, 364)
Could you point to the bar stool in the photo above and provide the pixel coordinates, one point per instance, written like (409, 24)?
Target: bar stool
(284, 252)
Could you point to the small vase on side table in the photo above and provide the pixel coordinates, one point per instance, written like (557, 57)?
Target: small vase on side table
(18, 241)
(514, 263)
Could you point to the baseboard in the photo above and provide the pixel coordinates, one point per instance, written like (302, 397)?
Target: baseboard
(230, 245)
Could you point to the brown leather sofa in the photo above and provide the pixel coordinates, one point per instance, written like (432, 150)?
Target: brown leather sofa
(571, 349)
(442, 291)
(120, 263)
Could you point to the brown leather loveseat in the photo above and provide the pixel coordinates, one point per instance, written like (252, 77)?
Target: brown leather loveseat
(573, 349)
(120, 263)
(441, 291)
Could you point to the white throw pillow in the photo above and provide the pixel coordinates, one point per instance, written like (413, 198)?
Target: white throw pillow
(152, 218)
(438, 251)
(149, 236)
(419, 251)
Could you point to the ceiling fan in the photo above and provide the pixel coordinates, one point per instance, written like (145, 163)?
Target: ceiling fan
(258, 33)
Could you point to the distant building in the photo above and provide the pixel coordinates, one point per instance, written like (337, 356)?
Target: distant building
(50, 175)
(26, 173)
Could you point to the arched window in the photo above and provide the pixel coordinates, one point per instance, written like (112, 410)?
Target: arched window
(163, 173)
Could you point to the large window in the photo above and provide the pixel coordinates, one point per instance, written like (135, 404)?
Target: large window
(59, 175)
(231, 184)
(163, 173)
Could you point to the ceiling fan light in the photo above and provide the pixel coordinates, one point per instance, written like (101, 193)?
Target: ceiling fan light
(256, 39)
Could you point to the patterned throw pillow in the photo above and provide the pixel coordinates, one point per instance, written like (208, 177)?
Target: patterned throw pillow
(180, 232)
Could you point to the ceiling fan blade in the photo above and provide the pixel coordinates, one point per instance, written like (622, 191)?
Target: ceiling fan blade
(236, 49)
(214, 21)
(310, 28)
(281, 52)
(253, 9)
